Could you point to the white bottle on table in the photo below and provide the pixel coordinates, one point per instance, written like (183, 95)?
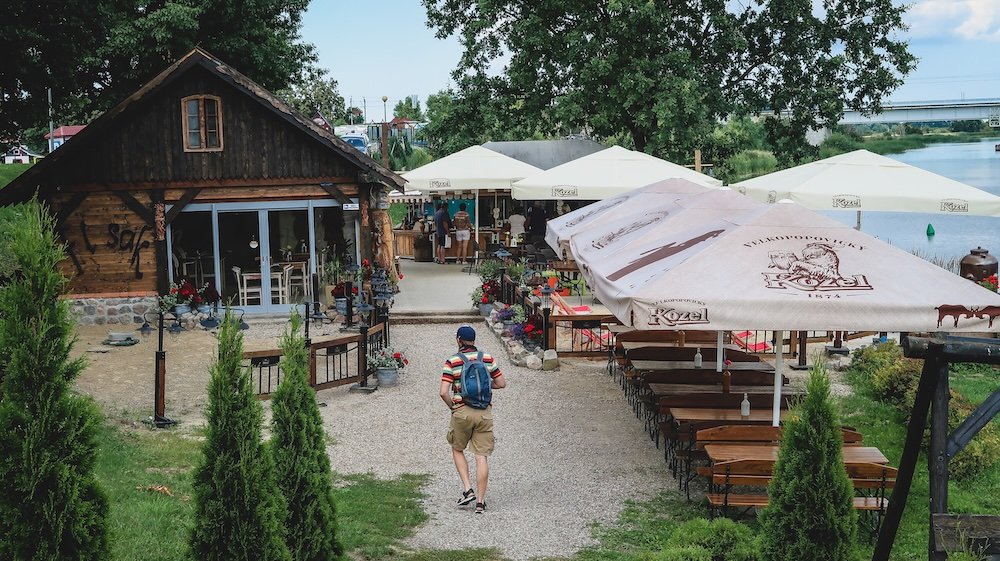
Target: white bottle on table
(697, 358)
(745, 406)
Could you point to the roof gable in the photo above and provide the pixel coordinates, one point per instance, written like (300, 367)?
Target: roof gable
(24, 185)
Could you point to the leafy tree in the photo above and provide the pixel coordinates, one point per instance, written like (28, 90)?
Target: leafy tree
(238, 507)
(974, 125)
(301, 464)
(51, 506)
(94, 54)
(409, 110)
(810, 513)
(665, 72)
(316, 93)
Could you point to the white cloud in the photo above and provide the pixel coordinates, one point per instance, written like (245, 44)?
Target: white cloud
(968, 19)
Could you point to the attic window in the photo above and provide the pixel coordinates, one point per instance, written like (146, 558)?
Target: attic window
(202, 123)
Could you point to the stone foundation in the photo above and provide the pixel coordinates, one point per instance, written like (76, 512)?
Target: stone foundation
(517, 354)
(111, 311)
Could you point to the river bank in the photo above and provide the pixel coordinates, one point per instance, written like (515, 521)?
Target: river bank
(899, 144)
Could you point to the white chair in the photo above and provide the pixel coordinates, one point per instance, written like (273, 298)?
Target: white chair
(246, 290)
(279, 285)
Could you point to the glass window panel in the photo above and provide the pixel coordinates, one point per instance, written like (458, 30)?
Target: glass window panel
(194, 139)
(288, 238)
(211, 123)
(239, 260)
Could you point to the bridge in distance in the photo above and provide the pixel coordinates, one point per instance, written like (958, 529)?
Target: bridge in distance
(929, 111)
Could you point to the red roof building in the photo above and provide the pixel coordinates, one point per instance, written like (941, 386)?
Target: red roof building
(63, 133)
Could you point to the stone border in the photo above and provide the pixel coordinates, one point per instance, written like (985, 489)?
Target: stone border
(517, 354)
(111, 311)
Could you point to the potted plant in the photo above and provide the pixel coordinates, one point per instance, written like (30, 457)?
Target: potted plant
(989, 283)
(330, 276)
(481, 300)
(208, 297)
(386, 363)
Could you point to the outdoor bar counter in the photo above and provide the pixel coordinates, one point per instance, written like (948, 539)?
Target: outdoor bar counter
(406, 242)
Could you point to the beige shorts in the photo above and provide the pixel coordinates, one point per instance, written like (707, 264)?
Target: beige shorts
(463, 235)
(472, 428)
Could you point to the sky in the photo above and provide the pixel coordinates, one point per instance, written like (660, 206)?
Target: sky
(384, 48)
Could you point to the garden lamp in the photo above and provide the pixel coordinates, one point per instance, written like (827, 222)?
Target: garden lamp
(176, 328)
(212, 321)
(502, 253)
(547, 297)
(317, 315)
(145, 330)
(243, 325)
(546, 310)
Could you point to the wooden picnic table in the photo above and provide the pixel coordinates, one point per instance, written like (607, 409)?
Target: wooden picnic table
(682, 415)
(659, 389)
(706, 365)
(727, 452)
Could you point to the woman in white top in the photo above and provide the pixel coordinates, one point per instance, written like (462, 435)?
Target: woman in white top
(516, 224)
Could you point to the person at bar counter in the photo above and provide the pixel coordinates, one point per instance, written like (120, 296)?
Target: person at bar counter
(463, 232)
(442, 228)
(516, 222)
(537, 220)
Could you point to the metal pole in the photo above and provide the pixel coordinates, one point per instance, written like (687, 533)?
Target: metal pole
(545, 328)
(51, 130)
(719, 352)
(159, 379)
(779, 359)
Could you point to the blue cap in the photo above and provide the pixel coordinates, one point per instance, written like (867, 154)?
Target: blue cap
(466, 333)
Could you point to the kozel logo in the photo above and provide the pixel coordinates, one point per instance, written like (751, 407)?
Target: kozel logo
(565, 191)
(954, 205)
(665, 314)
(440, 183)
(846, 201)
(818, 270)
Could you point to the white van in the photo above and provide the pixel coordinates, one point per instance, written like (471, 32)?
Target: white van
(356, 136)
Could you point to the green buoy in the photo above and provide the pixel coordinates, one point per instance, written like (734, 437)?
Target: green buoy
(930, 230)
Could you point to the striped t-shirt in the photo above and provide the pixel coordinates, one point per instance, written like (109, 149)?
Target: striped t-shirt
(452, 371)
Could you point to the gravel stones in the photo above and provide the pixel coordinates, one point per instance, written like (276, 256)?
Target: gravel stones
(569, 451)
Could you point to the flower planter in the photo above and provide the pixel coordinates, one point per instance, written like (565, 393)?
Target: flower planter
(485, 309)
(204, 308)
(341, 305)
(181, 309)
(387, 376)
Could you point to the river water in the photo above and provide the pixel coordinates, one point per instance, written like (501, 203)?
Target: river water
(972, 163)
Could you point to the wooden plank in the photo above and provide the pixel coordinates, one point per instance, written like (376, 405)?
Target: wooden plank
(336, 193)
(966, 532)
(654, 365)
(956, 349)
(227, 183)
(937, 458)
(727, 452)
(972, 424)
(68, 207)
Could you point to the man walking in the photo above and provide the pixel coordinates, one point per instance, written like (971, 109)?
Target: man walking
(471, 423)
(442, 228)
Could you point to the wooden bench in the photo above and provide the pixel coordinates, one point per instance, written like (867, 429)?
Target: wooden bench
(758, 474)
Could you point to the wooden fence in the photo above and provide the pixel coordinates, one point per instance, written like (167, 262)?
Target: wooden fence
(332, 362)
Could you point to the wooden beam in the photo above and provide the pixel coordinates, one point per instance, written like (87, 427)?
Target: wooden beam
(210, 183)
(177, 207)
(937, 458)
(68, 207)
(335, 193)
(135, 206)
(966, 532)
(972, 424)
(955, 349)
(911, 450)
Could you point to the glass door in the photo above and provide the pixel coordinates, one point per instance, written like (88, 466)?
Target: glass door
(288, 242)
(240, 260)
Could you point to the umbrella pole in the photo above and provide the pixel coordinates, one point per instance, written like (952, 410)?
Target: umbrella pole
(718, 353)
(857, 225)
(779, 360)
(477, 224)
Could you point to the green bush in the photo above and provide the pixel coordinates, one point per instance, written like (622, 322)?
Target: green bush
(723, 539)
(838, 143)
(895, 383)
(301, 465)
(12, 218)
(810, 513)
(489, 269)
(747, 165)
(685, 553)
(51, 505)
(982, 452)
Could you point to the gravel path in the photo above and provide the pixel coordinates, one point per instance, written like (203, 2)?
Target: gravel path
(569, 450)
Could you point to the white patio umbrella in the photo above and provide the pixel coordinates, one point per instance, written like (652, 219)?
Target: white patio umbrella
(603, 174)
(784, 267)
(861, 180)
(473, 169)
(559, 229)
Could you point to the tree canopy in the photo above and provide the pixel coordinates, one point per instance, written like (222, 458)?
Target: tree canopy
(316, 93)
(95, 53)
(407, 109)
(665, 73)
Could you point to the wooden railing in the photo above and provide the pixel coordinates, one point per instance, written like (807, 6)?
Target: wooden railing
(332, 362)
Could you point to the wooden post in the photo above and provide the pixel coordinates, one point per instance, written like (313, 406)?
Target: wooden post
(937, 456)
(697, 160)
(160, 243)
(803, 340)
(385, 145)
(911, 449)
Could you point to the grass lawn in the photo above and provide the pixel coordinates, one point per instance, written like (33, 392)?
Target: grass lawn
(881, 425)
(9, 171)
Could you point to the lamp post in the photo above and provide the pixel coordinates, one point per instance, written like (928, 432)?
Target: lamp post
(546, 310)
(159, 418)
(384, 133)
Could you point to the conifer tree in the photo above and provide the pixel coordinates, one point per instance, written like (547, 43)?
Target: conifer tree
(810, 514)
(302, 466)
(51, 507)
(238, 508)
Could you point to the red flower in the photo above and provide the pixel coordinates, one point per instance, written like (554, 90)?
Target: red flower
(400, 276)
(529, 328)
(365, 263)
(397, 355)
(486, 299)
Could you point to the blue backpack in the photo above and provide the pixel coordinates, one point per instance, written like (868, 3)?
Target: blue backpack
(477, 386)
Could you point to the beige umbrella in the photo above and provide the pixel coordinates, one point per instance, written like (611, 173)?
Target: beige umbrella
(784, 267)
(559, 230)
(601, 175)
(861, 180)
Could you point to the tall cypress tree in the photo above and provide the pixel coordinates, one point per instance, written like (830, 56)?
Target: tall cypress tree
(810, 514)
(302, 466)
(238, 508)
(51, 506)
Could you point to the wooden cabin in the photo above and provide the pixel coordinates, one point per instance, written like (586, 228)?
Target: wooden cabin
(202, 175)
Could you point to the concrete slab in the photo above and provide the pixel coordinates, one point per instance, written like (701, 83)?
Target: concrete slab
(429, 287)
